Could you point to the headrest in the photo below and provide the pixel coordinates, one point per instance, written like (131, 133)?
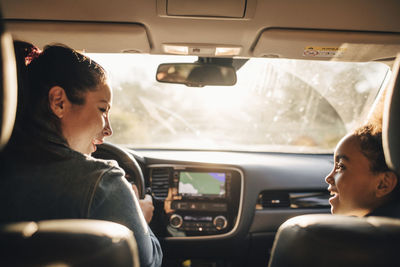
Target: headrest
(391, 121)
(8, 87)
(334, 240)
(67, 243)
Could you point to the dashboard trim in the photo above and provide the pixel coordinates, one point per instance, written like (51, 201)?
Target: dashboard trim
(240, 209)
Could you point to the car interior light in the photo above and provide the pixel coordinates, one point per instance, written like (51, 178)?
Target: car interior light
(202, 50)
(176, 49)
(227, 51)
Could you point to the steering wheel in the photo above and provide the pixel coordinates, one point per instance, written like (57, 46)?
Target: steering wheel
(126, 161)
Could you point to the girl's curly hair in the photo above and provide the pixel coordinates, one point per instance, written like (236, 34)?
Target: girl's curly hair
(370, 141)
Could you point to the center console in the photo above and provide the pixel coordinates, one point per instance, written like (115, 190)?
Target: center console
(202, 201)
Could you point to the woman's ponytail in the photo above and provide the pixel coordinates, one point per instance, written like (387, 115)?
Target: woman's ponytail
(25, 53)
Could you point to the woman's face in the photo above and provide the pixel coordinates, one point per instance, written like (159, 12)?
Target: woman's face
(351, 181)
(85, 126)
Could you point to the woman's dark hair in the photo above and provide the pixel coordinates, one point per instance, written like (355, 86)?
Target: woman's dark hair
(24, 54)
(56, 65)
(370, 140)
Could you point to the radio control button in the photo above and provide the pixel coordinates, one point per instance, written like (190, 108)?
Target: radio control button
(203, 206)
(175, 221)
(220, 222)
(218, 206)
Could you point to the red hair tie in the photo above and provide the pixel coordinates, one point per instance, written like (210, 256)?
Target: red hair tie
(33, 54)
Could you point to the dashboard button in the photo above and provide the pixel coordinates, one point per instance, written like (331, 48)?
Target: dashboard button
(218, 206)
(176, 221)
(220, 222)
(183, 206)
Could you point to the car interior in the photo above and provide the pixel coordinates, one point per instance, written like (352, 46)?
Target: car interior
(227, 112)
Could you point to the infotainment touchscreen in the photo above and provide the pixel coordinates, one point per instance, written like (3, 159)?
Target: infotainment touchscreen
(205, 184)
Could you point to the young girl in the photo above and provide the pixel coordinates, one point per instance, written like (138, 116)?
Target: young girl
(360, 182)
(66, 100)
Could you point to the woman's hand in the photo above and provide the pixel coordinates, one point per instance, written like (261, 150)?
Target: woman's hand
(147, 207)
(146, 204)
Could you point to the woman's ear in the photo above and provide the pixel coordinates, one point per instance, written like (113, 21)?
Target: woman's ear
(57, 101)
(387, 183)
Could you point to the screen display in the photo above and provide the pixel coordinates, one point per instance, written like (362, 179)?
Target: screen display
(202, 184)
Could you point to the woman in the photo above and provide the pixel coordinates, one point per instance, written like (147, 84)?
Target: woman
(360, 182)
(63, 116)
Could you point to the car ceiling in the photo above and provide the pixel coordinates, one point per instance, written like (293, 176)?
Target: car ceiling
(144, 25)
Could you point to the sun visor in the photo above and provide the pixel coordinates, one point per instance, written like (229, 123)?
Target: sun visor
(327, 45)
(88, 37)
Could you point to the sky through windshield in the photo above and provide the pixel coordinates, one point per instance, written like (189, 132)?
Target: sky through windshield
(276, 105)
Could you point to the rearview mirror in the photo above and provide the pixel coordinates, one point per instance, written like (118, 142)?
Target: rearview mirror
(196, 74)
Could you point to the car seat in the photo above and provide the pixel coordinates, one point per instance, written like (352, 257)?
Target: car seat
(8, 90)
(54, 242)
(391, 121)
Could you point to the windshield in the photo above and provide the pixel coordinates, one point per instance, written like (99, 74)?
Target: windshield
(277, 104)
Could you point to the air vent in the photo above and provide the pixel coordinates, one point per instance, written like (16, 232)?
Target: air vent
(308, 200)
(160, 182)
(274, 199)
(294, 200)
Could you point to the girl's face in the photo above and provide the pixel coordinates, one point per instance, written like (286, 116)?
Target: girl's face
(85, 126)
(351, 181)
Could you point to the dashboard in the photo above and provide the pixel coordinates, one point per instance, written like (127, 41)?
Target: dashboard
(229, 205)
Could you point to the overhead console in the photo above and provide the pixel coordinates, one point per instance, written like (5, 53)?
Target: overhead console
(228, 9)
(198, 201)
